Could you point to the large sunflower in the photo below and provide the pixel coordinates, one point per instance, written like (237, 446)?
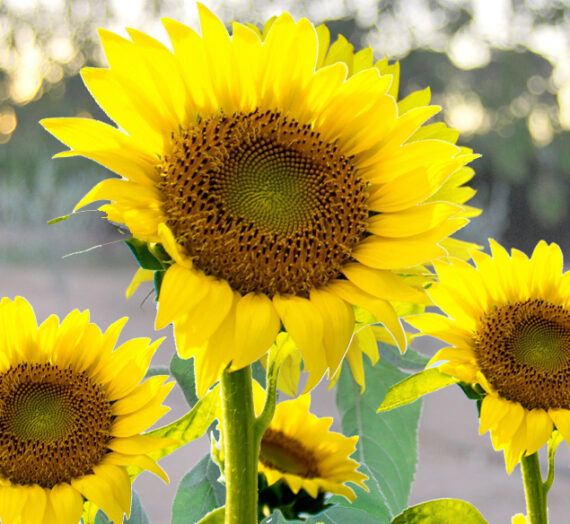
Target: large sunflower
(282, 178)
(71, 414)
(509, 328)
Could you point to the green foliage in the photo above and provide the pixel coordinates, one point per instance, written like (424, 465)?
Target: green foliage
(145, 257)
(335, 515)
(215, 517)
(199, 493)
(387, 445)
(138, 515)
(441, 511)
(189, 427)
(414, 387)
(183, 371)
(279, 496)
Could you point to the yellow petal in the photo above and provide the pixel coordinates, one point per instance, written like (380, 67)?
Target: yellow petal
(204, 318)
(139, 396)
(65, 503)
(539, 429)
(412, 221)
(257, 325)
(395, 253)
(493, 410)
(384, 284)
(338, 319)
(561, 418)
(141, 275)
(381, 309)
(139, 444)
(181, 290)
(95, 489)
(34, 510)
(304, 323)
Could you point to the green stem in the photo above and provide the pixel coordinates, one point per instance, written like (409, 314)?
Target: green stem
(266, 416)
(241, 447)
(534, 490)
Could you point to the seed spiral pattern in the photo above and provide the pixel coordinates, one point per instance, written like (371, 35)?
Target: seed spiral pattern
(54, 424)
(263, 202)
(523, 349)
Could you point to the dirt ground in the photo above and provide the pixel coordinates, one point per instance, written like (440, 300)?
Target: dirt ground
(454, 460)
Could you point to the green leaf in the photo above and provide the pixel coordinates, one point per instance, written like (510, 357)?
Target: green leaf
(440, 511)
(144, 256)
(387, 445)
(138, 514)
(410, 361)
(414, 387)
(334, 515)
(347, 515)
(199, 493)
(189, 427)
(215, 517)
(183, 371)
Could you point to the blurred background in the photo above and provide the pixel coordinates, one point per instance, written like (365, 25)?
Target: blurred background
(500, 69)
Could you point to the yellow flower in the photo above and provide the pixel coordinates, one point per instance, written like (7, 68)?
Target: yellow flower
(283, 179)
(71, 414)
(299, 448)
(508, 326)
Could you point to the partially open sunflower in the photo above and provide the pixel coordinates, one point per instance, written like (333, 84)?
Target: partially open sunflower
(508, 326)
(281, 176)
(71, 414)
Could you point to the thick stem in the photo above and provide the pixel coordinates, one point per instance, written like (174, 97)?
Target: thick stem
(241, 447)
(534, 491)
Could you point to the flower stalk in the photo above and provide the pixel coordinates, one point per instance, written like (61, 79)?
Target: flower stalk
(241, 447)
(535, 490)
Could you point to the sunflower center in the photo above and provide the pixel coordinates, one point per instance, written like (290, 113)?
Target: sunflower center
(54, 424)
(263, 202)
(523, 349)
(280, 452)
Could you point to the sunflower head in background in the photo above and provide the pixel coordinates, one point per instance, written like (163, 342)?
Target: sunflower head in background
(71, 414)
(277, 182)
(301, 461)
(509, 327)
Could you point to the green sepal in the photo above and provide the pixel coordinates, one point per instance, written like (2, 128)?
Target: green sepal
(472, 391)
(158, 277)
(440, 511)
(414, 387)
(145, 257)
(214, 517)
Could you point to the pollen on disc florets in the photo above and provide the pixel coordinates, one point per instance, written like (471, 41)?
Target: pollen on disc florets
(263, 202)
(523, 349)
(282, 453)
(54, 424)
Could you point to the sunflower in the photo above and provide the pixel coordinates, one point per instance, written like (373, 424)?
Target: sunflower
(299, 448)
(281, 177)
(509, 328)
(71, 413)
